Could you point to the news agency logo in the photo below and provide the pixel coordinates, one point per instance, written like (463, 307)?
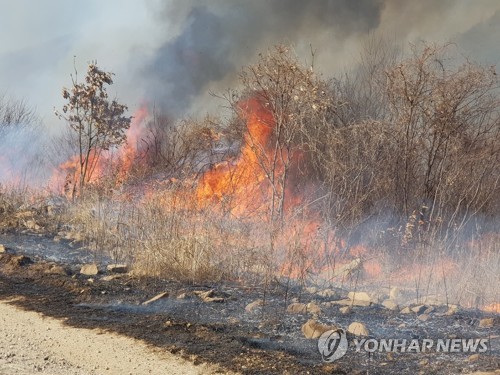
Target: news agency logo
(333, 345)
(421, 345)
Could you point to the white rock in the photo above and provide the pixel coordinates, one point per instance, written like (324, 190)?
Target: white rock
(156, 298)
(390, 304)
(89, 269)
(312, 329)
(359, 296)
(117, 268)
(253, 306)
(358, 329)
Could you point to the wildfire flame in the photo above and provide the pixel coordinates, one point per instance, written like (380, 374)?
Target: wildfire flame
(241, 185)
(67, 175)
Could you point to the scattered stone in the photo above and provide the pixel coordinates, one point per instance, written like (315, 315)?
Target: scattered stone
(429, 310)
(2, 249)
(402, 325)
(345, 310)
(185, 295)
(253, 306)
(390, 356)
(423, 317)
(358, 329)
(390, 304)
(312, 329)
(418, 309)
(297, 308)
(406, 310)
(359, 296)
(452, 309)
(208, 296)
(474, 357)
(156, 298)
(487, 322)
(89, 269)
(313, 308)
(117, 268)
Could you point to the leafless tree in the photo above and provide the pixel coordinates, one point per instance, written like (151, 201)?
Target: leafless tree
(16, 112)
(298, 102)
(97, 121)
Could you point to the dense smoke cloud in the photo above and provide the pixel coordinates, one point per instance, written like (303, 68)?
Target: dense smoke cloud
(173, 52)
(216, 41)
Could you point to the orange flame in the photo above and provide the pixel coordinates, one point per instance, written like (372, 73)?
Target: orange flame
(241, 185)
(67, 175)
(244, 186)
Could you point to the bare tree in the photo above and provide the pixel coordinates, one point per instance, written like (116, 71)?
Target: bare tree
(294, 103)
(444, 115)
(97, 121)
(16, 112)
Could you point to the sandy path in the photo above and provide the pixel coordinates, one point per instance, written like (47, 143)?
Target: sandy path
(33, 344)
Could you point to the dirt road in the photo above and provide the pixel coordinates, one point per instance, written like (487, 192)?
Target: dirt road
(32, 344)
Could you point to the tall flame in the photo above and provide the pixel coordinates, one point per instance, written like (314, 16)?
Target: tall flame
(243, 186)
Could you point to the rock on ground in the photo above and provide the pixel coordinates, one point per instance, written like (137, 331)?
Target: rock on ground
(390, 304)
(89, 269)
(117, 268)
(254, 306)
(487, 322)
(312, 329)
(156, 298)
(358, 329)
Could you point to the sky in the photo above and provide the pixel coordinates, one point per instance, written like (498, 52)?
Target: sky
(173, 53)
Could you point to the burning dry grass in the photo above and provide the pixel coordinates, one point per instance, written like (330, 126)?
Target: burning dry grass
(315, 194)
(164, 234)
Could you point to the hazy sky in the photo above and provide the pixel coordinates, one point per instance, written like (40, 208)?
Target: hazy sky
(174, 52)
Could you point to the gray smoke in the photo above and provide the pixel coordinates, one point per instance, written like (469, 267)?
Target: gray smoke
(173, 53)
(216, 40)
(21, 158)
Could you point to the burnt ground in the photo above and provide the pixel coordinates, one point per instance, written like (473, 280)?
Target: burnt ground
(266, 341)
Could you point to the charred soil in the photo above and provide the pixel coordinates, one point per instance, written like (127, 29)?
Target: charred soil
(209, 323)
